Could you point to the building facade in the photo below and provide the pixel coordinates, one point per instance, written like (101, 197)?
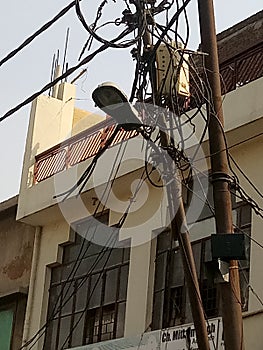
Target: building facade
(16, 242)
(94, 280)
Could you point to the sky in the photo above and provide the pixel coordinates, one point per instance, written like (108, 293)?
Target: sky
(30, 70)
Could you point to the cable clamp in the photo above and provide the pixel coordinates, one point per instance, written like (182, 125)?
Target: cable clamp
(220, 176)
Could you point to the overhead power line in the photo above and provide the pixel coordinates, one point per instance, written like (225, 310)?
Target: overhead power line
(27, 41)
(71, 70)
(245, 176)
(54, 82)
(86, 60)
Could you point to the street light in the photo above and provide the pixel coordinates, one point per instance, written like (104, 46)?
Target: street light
(113, 101)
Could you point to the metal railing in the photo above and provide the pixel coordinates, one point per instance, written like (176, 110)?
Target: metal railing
(242, 69)
(77, 149)
(236, 72)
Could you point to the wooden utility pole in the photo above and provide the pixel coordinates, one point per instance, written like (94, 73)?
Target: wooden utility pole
(230, 292)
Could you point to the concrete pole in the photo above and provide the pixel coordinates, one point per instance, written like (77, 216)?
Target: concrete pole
(180, 230)
(230, 292)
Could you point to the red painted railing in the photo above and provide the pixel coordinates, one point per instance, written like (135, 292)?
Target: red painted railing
(236, 72)
(77, 149)
(242, 69)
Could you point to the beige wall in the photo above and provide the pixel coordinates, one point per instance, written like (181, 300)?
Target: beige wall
(50, 123)
(241, 107)
(37, 206)
(140, 289)
(249, 158)
(83, 120)
(253, 334)
(16, 247)
(52, 237)
(57, 232)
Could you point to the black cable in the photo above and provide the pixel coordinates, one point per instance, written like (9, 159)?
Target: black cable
(250, 287)
(137, 70)
(243, 195)
(63, 76)
(90, 39)
(120, 223)
(229, 147)
(97, 37)
(148, 64)
(55, 312)
(146, 168)
(245, 176)
(238, 187)
(88, 172)
(44, 328)
(212, 210)
(53, 83)
(37, 33)
(91, 294)
(77, 262)
(171, 22)
(196, 287)
(64, 302)
(95, 214)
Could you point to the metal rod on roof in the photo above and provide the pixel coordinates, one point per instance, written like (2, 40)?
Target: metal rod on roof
(55, 87)
(65, 50)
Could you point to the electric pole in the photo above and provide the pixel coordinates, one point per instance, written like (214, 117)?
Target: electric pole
(230, 292)
(180, 230)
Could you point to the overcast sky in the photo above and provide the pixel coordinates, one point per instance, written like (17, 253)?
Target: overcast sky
(30, 69)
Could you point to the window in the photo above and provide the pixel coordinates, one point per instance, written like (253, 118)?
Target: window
(101, 324)
(242, 219)
(171, 301)
(6, 327)
(89, 291)
(176, 306)
(12, 314)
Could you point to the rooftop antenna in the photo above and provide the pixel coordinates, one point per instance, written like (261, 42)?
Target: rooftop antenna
(65, 51)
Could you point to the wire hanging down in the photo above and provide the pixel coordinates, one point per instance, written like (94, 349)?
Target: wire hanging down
(171, 112)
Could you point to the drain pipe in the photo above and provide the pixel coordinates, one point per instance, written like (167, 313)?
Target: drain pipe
(32, 283)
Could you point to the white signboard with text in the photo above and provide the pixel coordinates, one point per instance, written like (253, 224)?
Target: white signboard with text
(184, 337)
(175, 338)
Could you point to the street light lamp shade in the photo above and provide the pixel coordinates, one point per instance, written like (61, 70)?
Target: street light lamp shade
(113, 101)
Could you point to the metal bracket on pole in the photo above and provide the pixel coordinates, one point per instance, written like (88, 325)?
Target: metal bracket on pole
(220, 176)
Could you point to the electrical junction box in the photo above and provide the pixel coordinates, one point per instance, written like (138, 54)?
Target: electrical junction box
(228, 246)
(172, 69)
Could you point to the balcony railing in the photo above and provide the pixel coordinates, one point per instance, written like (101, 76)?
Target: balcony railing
(236, 72)
(77, 149)
(242, 69)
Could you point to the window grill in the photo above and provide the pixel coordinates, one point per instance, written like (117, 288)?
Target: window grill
(96, 293)
(171, 300)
